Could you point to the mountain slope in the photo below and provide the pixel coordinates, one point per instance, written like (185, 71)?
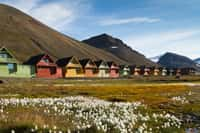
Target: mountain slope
(26, 37)
(119, 49)
(197, 60)
(172, 60)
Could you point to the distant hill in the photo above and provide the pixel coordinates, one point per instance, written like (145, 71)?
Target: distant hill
(172, 60)
(119, 49)
(197, 60)
(25, 37)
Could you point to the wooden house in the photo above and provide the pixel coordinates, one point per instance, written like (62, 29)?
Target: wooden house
(134, 70)
(137, 71)
(124, 70)
(71, 67)
(147, 71)
(45, 66)
(142, 70)
(156, 71)
(113, 69)
(103, 69)
(178, 72)
(188, 71)
(171, 72)
(164, 72)
(89, 68)
(11, 67)
(151, 71)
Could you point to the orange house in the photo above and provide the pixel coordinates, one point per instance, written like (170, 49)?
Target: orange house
(71, 67)
(89, 67)
(137, 71)
(114, 69)
(147, 71)
(156, 71)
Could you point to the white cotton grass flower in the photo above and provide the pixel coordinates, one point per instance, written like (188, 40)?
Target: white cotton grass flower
(180, 99)
(90, 112)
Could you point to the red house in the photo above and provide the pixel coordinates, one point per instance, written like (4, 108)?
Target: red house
(114, 69)
(45, 66)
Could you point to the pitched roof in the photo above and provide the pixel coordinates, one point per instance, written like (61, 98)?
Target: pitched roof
(64, 61)
(123, 66)
(14, 60)
(84, 62)
(110, 63)
(35, 59)
(99, 62)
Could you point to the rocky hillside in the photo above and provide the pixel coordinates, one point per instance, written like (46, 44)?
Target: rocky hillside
(25, 37)
(172, 60)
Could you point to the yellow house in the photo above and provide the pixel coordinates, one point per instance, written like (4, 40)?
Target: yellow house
(156, 71)
(71, 67)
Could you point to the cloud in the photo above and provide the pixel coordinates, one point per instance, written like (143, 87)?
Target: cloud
(129, 20)
(22, 4)
(56, 14)
(180, 41)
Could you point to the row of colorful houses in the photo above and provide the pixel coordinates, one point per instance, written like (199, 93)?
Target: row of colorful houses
(43, 66)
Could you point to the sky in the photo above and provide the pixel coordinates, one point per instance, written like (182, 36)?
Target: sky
(152, 27)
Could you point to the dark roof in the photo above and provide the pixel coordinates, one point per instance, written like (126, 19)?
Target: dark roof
(84, 62)
(98, 63)
(123, 66)
(34, 59)
(110, 63)
(132, 67)
(64, 61)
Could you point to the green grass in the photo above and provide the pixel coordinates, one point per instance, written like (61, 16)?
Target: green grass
(155, 93)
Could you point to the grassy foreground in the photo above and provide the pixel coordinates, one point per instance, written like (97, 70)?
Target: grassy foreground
(174, 97)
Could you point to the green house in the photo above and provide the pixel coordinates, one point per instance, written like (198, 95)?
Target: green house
(11, 67)
(124, 71)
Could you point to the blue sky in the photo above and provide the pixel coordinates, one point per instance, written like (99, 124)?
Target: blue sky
(152, 27)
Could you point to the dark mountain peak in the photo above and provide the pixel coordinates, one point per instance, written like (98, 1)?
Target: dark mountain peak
(173, 60)
(171, 54)
(104, 35)
(119, 49)
(106, 38)
(175, 56)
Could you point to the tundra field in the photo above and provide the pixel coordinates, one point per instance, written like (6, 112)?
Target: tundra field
(147, 104)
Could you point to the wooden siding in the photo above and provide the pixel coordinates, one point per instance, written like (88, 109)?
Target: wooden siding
(114, 70)
(136, 71)
(46, 68)
(21, 71)
(10, 67)
(156, 72)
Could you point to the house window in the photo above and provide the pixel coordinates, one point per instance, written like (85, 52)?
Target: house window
(79, 70)
(45, 60)
(12, 68)
(53, 70)
(3, 55)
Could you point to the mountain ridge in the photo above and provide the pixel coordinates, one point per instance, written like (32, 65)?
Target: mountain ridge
(118, 48)
(25, 36)
(174, 60)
